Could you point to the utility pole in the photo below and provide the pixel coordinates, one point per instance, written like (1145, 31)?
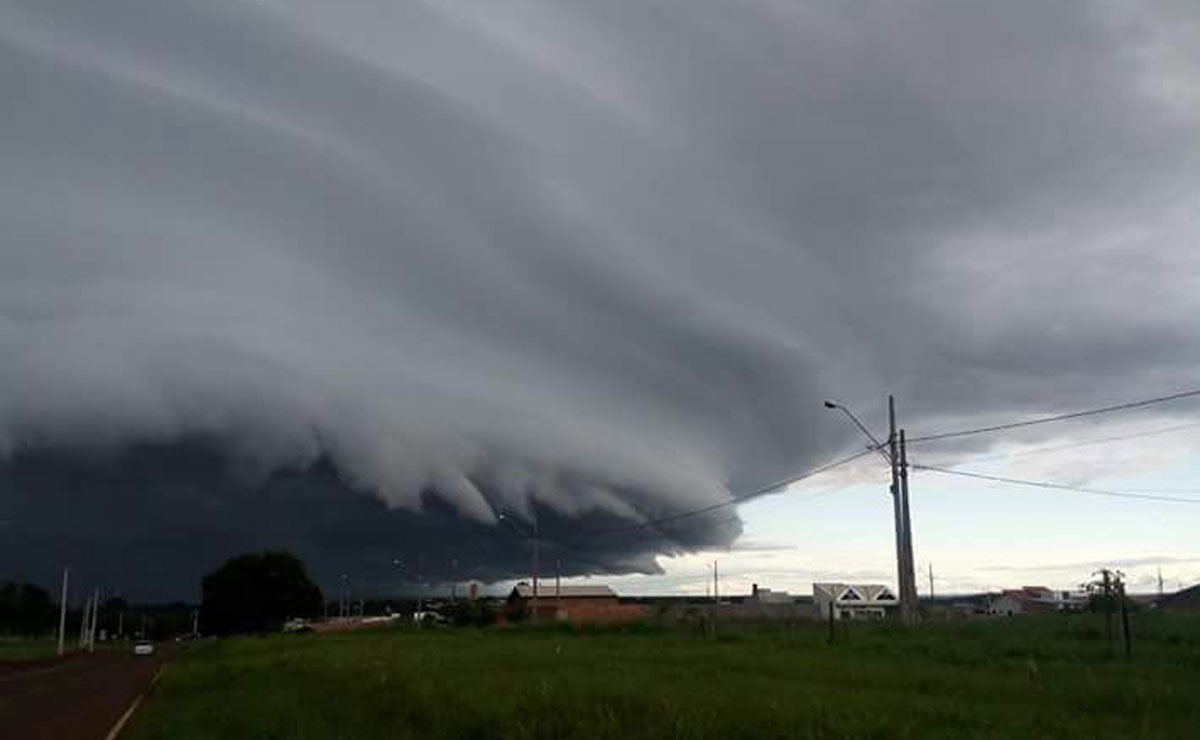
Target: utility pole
(1126, 633)
(716, 585)
(1108, 607)
(63, 612)
(1160, 585)
(909, 568)
(195, 623)
(932, 596)
(903, 568)
(536, 552)
(557, 588)
(95, 616)
(83, 622)
(895, 455)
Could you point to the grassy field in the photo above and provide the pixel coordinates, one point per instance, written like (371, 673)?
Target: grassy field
(1044, 677)
(26, 648)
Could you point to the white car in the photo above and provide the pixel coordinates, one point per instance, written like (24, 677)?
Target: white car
(143, 648)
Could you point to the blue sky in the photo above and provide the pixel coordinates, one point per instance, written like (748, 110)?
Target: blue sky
(978, 535)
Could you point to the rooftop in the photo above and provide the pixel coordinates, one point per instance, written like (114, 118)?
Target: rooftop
(548, 590)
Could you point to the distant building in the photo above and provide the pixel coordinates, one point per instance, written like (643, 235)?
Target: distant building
(852, 601)
(1184, 600)
(767, 596)
(1036, 600)
(571, 604)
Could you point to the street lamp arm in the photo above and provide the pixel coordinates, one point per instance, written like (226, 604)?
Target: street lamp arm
(876, 444)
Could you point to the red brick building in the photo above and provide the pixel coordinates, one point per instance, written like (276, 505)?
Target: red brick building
(571, 604)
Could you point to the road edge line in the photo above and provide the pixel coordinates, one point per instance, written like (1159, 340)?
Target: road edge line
(120, 725)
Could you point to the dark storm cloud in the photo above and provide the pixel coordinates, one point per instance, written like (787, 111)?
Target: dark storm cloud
(602, 260)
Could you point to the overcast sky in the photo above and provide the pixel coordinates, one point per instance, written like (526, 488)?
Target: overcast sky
(352, 278)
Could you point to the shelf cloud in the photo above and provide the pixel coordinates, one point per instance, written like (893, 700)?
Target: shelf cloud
(352, 278)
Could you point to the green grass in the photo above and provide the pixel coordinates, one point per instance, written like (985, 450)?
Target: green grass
(31, 648)
(1033, 677)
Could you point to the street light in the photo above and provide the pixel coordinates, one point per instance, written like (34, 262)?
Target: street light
(906, 579)
(875, 443)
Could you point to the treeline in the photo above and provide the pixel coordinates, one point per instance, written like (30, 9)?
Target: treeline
(27, 609)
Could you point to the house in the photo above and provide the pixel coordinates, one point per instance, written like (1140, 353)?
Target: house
(570, 604)
(1184, 600)
(1035, 600)
(852, 601)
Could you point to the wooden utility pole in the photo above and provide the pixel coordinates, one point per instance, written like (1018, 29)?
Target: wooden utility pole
(716, 585)
(932, 595)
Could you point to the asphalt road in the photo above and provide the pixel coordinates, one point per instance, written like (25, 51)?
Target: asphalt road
(79, 697)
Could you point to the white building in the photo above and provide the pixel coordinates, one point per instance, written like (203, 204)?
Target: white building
(852, 601)
(1036, 600)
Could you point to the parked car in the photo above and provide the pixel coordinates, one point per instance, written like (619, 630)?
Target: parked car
(297, 625)
(143, 647)
(427, 617)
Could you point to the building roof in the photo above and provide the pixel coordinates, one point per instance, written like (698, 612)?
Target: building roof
(854, 593)
(1188, 597)
(547, 590)
(1042, 594)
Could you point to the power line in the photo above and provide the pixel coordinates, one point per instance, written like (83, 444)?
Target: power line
(1087, 442)
(1059, 417)
(1055, 486)
(732, 501)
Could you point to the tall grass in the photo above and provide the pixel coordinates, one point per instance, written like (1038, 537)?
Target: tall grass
(1018, 678)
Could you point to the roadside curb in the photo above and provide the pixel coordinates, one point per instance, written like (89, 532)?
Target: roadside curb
(120, 724)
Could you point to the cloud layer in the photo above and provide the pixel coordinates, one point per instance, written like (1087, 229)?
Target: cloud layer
(597, 260)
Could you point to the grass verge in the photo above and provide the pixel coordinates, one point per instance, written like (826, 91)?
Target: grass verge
(1030, 677)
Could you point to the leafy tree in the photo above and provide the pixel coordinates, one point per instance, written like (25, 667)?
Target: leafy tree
(470, 613)
(256, 593)
(25, 609)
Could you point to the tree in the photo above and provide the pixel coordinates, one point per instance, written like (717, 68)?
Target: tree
(25, 609)
(257, 592)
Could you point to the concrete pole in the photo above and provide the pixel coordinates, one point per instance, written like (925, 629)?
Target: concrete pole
(897, 511)
(83, 622)
(95, 617)
(536, 549)
(62, 614)
(909, 567)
